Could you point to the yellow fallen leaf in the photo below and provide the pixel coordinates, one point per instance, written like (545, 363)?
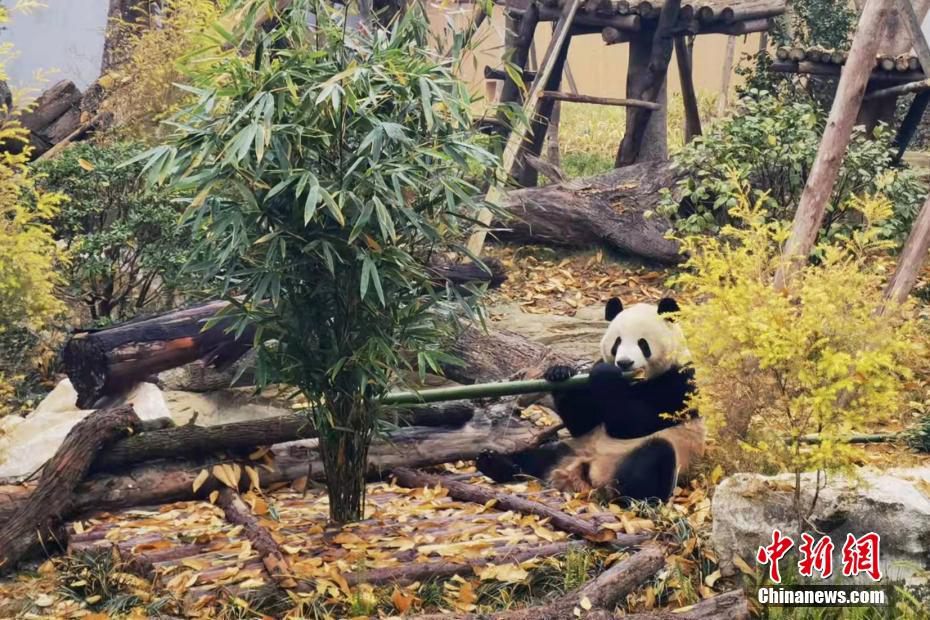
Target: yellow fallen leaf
(402, 600)
(220, 473)
(214, 495)
(200, 479)
(585, 603)
(741, 564)
(86, 165)
(78, 527)
(255, 484)
(712, 578)
(508, 573)
(90, 600)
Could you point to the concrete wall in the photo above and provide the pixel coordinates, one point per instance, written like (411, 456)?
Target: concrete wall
(62, 40)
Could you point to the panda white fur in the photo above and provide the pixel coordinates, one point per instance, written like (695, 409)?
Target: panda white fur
(631, 430)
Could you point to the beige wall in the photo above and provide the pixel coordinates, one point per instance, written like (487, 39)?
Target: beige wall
(598, 69)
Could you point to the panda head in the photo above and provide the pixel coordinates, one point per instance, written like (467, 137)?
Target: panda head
(642, 340)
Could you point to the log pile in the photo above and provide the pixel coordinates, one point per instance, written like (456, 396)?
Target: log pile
(901, 63)
(60, 115)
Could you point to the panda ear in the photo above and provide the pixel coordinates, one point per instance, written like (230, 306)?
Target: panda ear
(667, 304)
(613, 308)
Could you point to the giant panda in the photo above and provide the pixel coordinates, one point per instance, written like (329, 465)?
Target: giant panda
(631, 428)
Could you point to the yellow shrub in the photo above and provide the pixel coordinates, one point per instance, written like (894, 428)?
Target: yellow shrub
(142, 91)
(770, 366)
(28, 253)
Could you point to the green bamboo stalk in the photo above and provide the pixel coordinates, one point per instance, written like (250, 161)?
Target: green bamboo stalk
(873, 438)
(480, 390)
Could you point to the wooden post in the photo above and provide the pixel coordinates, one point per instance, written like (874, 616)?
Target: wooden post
(910, 124)
(526, 175)
(553, 153)
(688, 95)
(646, 79)
(518, 49)
(912, 258)
(846, 103)
(724, 100)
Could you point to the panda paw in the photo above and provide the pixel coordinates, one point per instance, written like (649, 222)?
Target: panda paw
(556, 374)
(498, 467)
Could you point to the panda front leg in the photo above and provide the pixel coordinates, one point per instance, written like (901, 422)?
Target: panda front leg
(577, 406)
(648, 473)
(535, 462)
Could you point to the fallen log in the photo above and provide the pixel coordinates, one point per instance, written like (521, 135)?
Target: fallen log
(109, 361)
(607, 211)
(466, 492)
(169, 481)
(273, 558)
(603, 592)
(443, 569)
(732, 605)
(55, 494)
(192, 441)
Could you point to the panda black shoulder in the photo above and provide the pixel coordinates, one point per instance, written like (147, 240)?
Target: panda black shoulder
(670, 390)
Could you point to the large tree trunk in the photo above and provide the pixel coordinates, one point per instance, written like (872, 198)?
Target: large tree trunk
(606, 210)
(190, 441)
(169, 481)
(54, 497)
(112, 360)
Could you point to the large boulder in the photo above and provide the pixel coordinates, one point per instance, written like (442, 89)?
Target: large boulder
(895, 504)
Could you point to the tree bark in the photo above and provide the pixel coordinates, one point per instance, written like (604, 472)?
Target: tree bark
(846, 104)
(506, 501)
(114, 359)
(53, 499)
(603, 592)
(238, 513)
(169, 481)
(123, 17)
(607, 211)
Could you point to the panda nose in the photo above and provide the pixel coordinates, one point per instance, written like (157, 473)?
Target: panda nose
(624, 363)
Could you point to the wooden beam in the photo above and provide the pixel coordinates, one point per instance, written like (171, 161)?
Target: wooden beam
(647, 84)
(836, 136)
(727, 75)
(688, 95)
(912, 258)
(900, 89)
(820, 68)
(530, 108)
(909, 125)
(630, 103)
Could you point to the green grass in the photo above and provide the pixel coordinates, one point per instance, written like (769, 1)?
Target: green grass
(590, 134)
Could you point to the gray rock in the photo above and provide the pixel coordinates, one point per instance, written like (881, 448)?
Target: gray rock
(895, 504)
(577, 336)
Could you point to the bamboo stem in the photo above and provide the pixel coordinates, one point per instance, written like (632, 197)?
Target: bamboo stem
(480, 390)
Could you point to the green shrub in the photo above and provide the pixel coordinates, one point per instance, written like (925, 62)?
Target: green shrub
(770, 144)
(126, 245)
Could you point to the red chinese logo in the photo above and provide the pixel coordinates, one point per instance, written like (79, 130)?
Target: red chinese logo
(860, 555)
(774, 552)
(817, 557)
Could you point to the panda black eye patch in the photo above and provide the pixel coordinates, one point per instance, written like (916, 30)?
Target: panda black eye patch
(613, 350)
(644, 346)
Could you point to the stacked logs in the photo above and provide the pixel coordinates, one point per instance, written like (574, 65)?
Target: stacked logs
(902, 63)
(617, 19)
(60, 115)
